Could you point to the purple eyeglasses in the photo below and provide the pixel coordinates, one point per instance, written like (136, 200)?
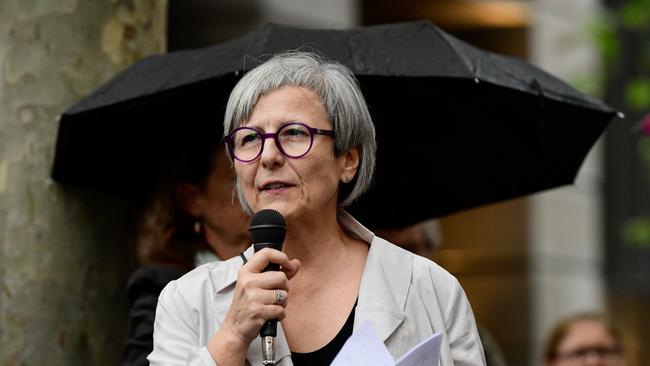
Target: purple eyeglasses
(293, 139)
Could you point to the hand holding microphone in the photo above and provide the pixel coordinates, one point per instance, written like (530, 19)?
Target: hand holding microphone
(256, 295)
(267, 229)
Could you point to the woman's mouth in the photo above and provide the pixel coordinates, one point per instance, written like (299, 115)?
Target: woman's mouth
(275, 186)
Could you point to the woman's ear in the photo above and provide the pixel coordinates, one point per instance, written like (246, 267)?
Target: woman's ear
(350, 164)
(190, 199)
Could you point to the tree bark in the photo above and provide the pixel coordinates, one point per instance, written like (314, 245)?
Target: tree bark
(63, 250)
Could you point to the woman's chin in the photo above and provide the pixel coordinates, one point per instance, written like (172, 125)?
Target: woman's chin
(281, 207)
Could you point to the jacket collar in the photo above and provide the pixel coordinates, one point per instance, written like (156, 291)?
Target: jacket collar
(228, 273)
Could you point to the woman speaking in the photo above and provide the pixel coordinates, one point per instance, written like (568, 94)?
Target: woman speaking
(302, 143)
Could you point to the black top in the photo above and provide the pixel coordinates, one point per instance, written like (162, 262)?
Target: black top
(325, 355)
(142, 293)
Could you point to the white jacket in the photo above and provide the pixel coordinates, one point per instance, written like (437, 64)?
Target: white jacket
(405, 296)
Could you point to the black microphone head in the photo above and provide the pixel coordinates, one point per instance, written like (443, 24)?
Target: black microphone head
(267, 227)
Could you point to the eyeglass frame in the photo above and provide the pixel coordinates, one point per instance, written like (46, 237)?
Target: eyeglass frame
(228, 139)
(581, 354)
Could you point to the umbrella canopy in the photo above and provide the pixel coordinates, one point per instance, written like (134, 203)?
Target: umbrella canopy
(457, 126)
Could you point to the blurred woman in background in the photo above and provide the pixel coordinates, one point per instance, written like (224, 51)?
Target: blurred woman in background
(584, 339)
(192, 219)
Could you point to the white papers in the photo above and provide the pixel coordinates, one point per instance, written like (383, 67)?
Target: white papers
(425, 353)
(364, 347)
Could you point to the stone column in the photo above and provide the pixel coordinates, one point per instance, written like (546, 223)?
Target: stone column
(566, 224)
(63, 251)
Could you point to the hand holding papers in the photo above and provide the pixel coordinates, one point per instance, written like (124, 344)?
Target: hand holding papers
(365, 347)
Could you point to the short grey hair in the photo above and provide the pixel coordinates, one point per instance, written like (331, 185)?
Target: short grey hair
(340, 94)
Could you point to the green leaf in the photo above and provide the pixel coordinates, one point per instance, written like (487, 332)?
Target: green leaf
(636, 232)
(637, 94)
(635, 14)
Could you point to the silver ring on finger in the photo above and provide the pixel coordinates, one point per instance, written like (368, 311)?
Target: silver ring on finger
(279, 297)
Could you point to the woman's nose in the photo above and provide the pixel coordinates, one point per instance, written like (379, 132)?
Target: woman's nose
(271, 154)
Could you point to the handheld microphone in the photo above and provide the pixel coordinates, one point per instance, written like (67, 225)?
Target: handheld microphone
(267, 229)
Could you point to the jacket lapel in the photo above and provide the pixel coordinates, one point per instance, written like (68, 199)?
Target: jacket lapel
(384, 287)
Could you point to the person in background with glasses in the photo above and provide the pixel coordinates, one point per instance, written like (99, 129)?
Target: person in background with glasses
(584, 339)
(303, 143)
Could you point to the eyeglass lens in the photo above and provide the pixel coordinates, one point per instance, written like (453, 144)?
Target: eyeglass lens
(294, 139)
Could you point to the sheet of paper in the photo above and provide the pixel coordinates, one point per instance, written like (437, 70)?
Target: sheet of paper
(364, 347)
(425, 353)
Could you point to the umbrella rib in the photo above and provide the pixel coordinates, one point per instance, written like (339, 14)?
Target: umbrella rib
(464, 57)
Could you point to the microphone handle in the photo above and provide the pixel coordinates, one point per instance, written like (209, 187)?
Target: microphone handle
(269, 328)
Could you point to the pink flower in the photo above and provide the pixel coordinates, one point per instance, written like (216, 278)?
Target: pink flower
(645, 125)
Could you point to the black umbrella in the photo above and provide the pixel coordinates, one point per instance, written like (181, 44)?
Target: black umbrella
(488, 127)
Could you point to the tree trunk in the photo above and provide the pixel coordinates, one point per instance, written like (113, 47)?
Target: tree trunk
(63, 250)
